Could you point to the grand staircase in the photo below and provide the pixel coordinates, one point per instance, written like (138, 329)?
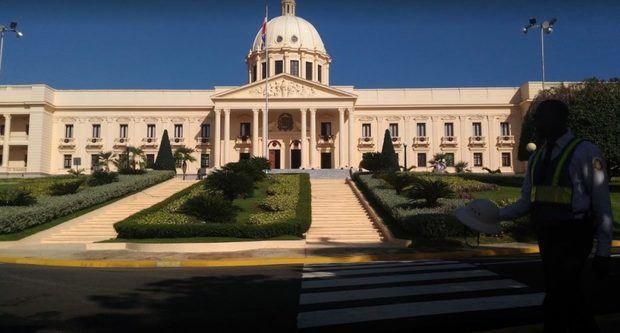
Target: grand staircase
(338, 217)
(98, 225)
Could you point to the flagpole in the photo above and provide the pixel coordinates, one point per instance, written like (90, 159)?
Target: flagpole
(266, 112)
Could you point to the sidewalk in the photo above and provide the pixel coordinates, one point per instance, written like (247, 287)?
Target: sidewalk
(608, 323)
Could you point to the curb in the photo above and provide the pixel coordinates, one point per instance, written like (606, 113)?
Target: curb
(264, 261)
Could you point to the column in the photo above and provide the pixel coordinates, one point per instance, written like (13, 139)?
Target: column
(265, 133)
(226, 136)
(313, 138)
(5, 145)
(254, 132)
(352, 144)
(217, 139)
(341, 137)
(304, 140)
(492, 161)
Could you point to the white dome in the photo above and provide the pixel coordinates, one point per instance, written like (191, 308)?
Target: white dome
(290, 31)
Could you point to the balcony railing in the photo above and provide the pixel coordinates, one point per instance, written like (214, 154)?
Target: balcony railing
(203, 141)
(94, 142)
(396, 141)
(366, 141)
(325, 140)
(178, 141)
(243, 140)
(67, 141)
(121, 142)
(420, 141)
(149, 141)
(506, 140)
(18, 137)
(477, 140)
(449, 141)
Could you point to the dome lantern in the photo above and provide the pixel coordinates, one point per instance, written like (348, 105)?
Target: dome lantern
(288, 7)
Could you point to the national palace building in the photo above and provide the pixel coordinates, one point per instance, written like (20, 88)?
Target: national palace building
(310, 123)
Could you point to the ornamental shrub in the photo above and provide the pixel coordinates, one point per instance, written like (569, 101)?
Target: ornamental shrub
(230, 183)
(252, 167)
(101, 177)
(388, 151)
(210, 207)
(165, 159)
(374, 162)
(66, 186)
(399, 181)
(16, 197)
(430, 190)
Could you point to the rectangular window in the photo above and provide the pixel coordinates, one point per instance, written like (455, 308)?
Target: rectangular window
(264, 70)
(477, 128)
(96, 131)
(279, 67)
(319, 73)
(450, 159)
(506, 160)
(326, 128)
(178, 130)
(204, 160)
(69, 131)
(309, 75)
(366, 131)
(244, 129)
(505, 128)
(66, 161)
(27, 129)
(421, 160)
(150, 131)
(2, 129)
(94, 161)
(478, 159)
(421, 129)
(448, 129)
(150, 160)
(394, 130)
(0, 159)
(295, 67)
(123, 131)
(254, 74)
(205, 131)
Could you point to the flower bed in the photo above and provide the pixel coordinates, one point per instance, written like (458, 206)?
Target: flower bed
(14, 219)
(287, 213)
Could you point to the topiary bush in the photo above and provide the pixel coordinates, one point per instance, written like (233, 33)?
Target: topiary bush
(165, 159)
(210, 207)
(65, 187)
(16, 197)
(230, 183)
(430, 190)
(101, 177)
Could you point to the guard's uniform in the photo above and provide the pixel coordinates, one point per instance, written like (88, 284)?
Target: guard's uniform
(566, 192)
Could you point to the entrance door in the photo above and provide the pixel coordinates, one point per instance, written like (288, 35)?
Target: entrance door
(295, 158)
(326, 160)
(274, 158)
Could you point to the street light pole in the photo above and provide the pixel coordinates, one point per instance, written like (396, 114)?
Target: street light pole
(545, 28)
(12, 27)
(405, 146)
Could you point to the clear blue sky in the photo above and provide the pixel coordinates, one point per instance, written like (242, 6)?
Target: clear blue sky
(180, 44)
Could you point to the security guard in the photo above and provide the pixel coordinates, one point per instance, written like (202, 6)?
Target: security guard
(566, 192)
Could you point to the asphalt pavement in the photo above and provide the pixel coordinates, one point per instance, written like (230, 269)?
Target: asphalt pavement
(461, 295)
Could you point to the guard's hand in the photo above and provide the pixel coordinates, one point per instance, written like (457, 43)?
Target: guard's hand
(601, 266)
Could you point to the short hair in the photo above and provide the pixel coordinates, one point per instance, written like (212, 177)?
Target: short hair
(555, 106)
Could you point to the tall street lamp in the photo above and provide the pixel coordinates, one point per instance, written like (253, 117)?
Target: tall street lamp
(12, 27)
(545, 28)
(405, 146)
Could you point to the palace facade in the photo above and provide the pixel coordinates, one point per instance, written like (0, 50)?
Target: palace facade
(308, 123)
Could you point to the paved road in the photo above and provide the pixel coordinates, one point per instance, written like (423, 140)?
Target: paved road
(451, 295)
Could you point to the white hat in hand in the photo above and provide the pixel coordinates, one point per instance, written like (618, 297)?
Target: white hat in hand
(481, 215)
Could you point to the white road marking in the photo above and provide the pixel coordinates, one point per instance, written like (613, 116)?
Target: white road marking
(395, 278)
(415, 309)
(338, 273)
(314, 268)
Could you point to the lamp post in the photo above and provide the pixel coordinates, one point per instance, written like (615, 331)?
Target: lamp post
(405, 146)
(545, 28)
(12, 27)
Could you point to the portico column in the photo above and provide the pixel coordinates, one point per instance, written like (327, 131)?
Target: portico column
(217, 139)
(226, 135)
(255, 132)
(351, 138)
(265, 133)
(5, 145)
(341, 137)
(304, 140)
(312, 138)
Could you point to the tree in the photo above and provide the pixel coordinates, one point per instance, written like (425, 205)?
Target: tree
(399, 181)
(104, 160)
(388, 151)
(594, 115)
(430, 190)
(231, 184)
(130, 161)
(182, 155)
(461, 166)
(374, 162)
(165, 159)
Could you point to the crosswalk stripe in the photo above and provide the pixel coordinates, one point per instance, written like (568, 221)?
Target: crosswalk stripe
(373, 263)
(415, 309)
(360, 281)
(387, 292)
(315, 268)
(338, 273)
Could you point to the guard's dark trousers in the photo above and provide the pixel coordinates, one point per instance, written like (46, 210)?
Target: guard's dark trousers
(564, 247)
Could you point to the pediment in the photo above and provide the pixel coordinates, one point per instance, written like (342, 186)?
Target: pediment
(284, 86)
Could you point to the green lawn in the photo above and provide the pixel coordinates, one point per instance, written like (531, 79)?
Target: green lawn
(37, 186)
(249, 206)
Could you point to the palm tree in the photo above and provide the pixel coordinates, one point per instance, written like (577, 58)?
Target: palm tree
(182, 155)
(105, 159)
(430, 190)
(130, 159)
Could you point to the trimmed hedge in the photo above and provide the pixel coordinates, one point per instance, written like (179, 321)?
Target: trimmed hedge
(501, 180)
(159, 221)
(14, 219)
